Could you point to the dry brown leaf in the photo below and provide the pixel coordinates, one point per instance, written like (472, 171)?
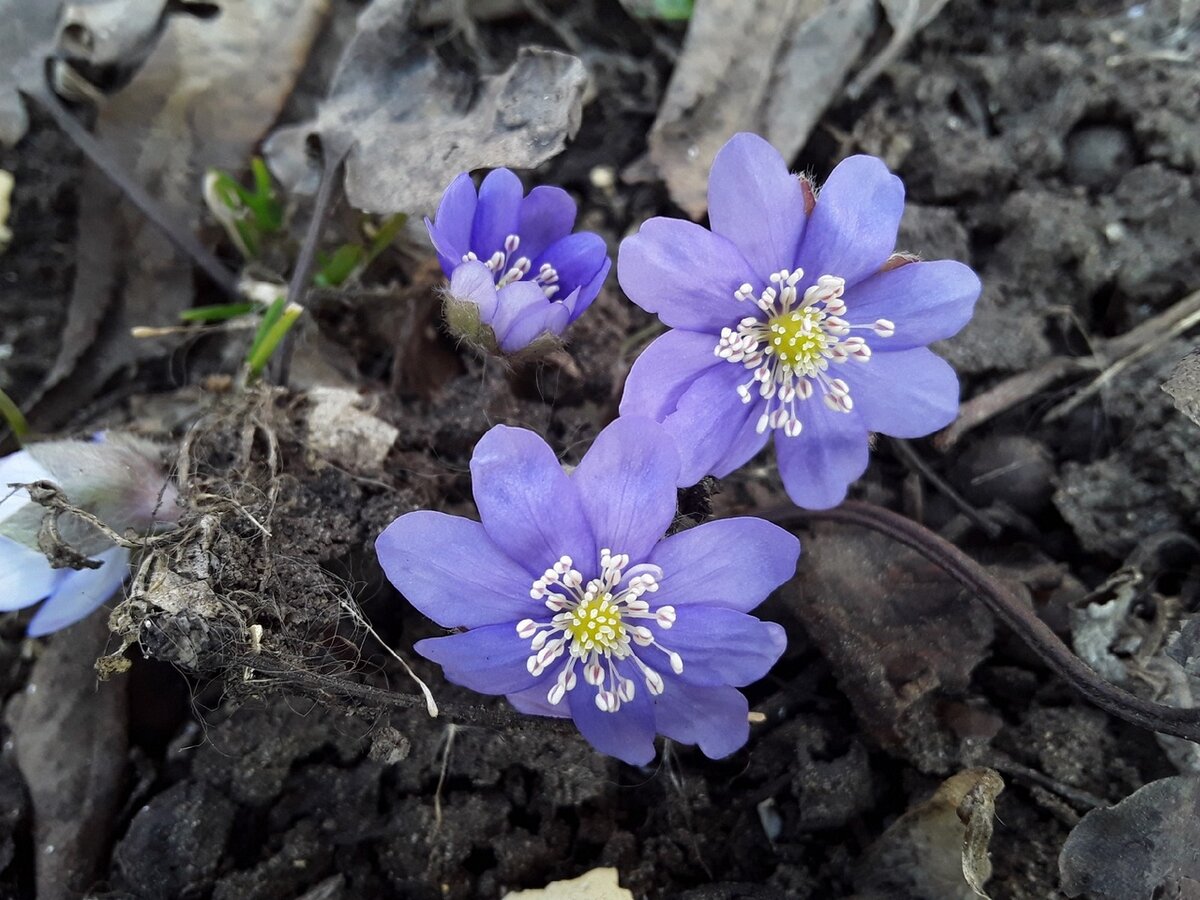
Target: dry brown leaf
(1184, 386)
(410, 124)
(1147, 846)
(939, 848)
(767, 66)
(205, 96)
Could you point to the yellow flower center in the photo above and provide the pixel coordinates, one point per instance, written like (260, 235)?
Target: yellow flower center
(797, 338)
(596, 624)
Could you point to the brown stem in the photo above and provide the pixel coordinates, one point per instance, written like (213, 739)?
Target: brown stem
(1007, 607)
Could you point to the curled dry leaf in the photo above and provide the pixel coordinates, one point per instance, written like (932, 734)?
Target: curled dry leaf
(410, 124)
(939, 848)
(767, 66)
(1147, 846)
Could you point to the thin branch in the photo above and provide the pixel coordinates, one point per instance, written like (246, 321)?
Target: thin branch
(99, 156)
(1007, 607)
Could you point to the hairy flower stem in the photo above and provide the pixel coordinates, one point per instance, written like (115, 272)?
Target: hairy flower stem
(331, 167)
(96, 153)
(1007, 607)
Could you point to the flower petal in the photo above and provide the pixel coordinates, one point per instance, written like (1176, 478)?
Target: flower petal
(473, 282)
(927, 301)
(715, 718)
(581, 298)
(25, 576)
(746, 442)
(546, 215)
(733, 563)
(80, 592)
(628, 733)
(490, 659)
(717, 645)
(909, 393)
(18, 468)
(528, 505)
(450, 229)
(497, 212)
(853, 227)
(532, 322)
(754, 201)
(684, 274)
(708, 417)
(819, 464)
(533, 702)
(449, 569)
(577, 258)
(626, 483)
(517, 301)
(664, 370)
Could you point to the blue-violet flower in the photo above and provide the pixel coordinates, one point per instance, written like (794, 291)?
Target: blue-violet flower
(113, 478)
(517, 273)
(575, 603)
(792, 317)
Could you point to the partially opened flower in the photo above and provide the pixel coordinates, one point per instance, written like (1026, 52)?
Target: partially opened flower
(116, 480)
(575, 603)
(517, 273)
(793, 318)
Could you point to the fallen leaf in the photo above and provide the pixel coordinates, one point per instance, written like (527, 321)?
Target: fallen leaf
(25, 39)
(410, 124)
(939, 848)
(1145, 847)
(900, 634)
(767, 66)
(598, 884)
(343, 432)
(1184, 386)
(906, 17)
(203, 99)
(70, 746)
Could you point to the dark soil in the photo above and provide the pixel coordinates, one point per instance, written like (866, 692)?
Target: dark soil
(1053, 146)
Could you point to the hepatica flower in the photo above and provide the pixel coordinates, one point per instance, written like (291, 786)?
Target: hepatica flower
(792, 318)
(517, 273)
(576, 605)
(114, 479)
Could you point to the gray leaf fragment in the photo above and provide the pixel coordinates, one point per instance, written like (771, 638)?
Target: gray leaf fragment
(767, 66)
(1184, 386)
(1147, 846)
(26, 35)
(413, 124)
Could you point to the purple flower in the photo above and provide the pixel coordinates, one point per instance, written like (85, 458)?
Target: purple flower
(792, 317)
(577, 605)
(514, 265)
(114, 479)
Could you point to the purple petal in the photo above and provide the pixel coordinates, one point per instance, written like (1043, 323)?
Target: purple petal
(626, 482)
(732, 563)
(664, 370)
(577, 258)
(528, 505)
(490, 659)
(450, 229)
(708, 417)
(18, 468)
(909, 393)
(754, 201)
(581, 298)
(747, 441)
(715, 718)
(473, 282)
(533, 702)
(25, 576)
(853, 227)
(685, 274)
(517, 301)
(497, 213)
(546, 215)
(449, 569)
(927, 301)
(628, 733)
(80, 592)
(532, 322)
(717, 645)
(818, 465)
